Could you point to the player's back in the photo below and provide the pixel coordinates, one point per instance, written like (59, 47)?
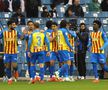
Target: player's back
(37, 42)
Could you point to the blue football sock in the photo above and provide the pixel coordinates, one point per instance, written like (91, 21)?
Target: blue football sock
(95, 70)
(105, 68)
(45, 67)
(51, 71)
(8, 73)
(29, 71)
(66, 69)
(71, 69)
(32, 72)
(41, 73)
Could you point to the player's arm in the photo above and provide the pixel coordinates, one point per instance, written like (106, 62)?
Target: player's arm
(1, 34)
(105, 41)
(66, 39)
(48, 45)
(22, 36)
(89, 43)
(47, 42)
(53, 38)
(73, 34)
(29, 42)
(29, 45)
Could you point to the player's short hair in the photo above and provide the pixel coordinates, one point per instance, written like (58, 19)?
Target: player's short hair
(54, 23)
(63, 24)
(98, 22)
(82, 24)
(30, 22)
(49, 24)
(10, 22)
(36, 24)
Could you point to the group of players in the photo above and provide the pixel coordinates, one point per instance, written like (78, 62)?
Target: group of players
(45, 47)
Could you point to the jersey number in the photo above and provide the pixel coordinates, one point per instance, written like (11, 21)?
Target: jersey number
(39, 40)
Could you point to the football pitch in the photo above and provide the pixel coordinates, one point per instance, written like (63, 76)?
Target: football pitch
(77, 85)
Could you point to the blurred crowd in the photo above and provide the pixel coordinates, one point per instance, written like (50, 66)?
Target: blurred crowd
(33, 7)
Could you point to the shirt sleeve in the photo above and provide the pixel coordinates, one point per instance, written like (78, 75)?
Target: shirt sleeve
(72, 33)
(105, 40)
(29, 42)
(89, 42)
(47, 42)
(1, 34)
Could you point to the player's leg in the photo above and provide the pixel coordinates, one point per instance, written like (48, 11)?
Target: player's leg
(41, 65)
(52, 64)
(61, 73)
(32, 67)
(94, 61)
(102, 61)
(14, 66)
(7, 62)
(65, 67)
(71, 68)
(47, 62)
(28, 63)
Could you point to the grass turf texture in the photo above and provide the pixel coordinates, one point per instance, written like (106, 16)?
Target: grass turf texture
(77, 85)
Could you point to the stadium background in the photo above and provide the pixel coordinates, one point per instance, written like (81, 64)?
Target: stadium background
(88, 18)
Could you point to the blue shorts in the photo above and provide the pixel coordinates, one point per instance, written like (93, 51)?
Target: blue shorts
(63, 55)
(53, 56)
(98, 58)
(8, 58)
(46, 58)
(27, 57)
(37, 56)
(71, 56)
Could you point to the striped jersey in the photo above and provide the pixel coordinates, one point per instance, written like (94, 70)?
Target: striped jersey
(10, 42)
(97, 42)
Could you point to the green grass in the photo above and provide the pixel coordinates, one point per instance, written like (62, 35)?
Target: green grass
(77, 85)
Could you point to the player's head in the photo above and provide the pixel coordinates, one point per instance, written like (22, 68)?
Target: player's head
(36, 25)
(49, 24)
(54, 26)
(30, 25)
(82, 26)
(96, 25)
(63, 24)
(11, 24)
(68, 25)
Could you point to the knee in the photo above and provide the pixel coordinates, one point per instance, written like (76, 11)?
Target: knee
(41, 65)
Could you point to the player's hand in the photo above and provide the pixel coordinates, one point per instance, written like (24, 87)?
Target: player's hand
(29, 54)
(48, 53)
(24, 32)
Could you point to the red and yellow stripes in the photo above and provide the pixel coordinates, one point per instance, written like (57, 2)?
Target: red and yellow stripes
(71, 40)
(54, 43)
(97, 42)
(10, 42)
(38, 49)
